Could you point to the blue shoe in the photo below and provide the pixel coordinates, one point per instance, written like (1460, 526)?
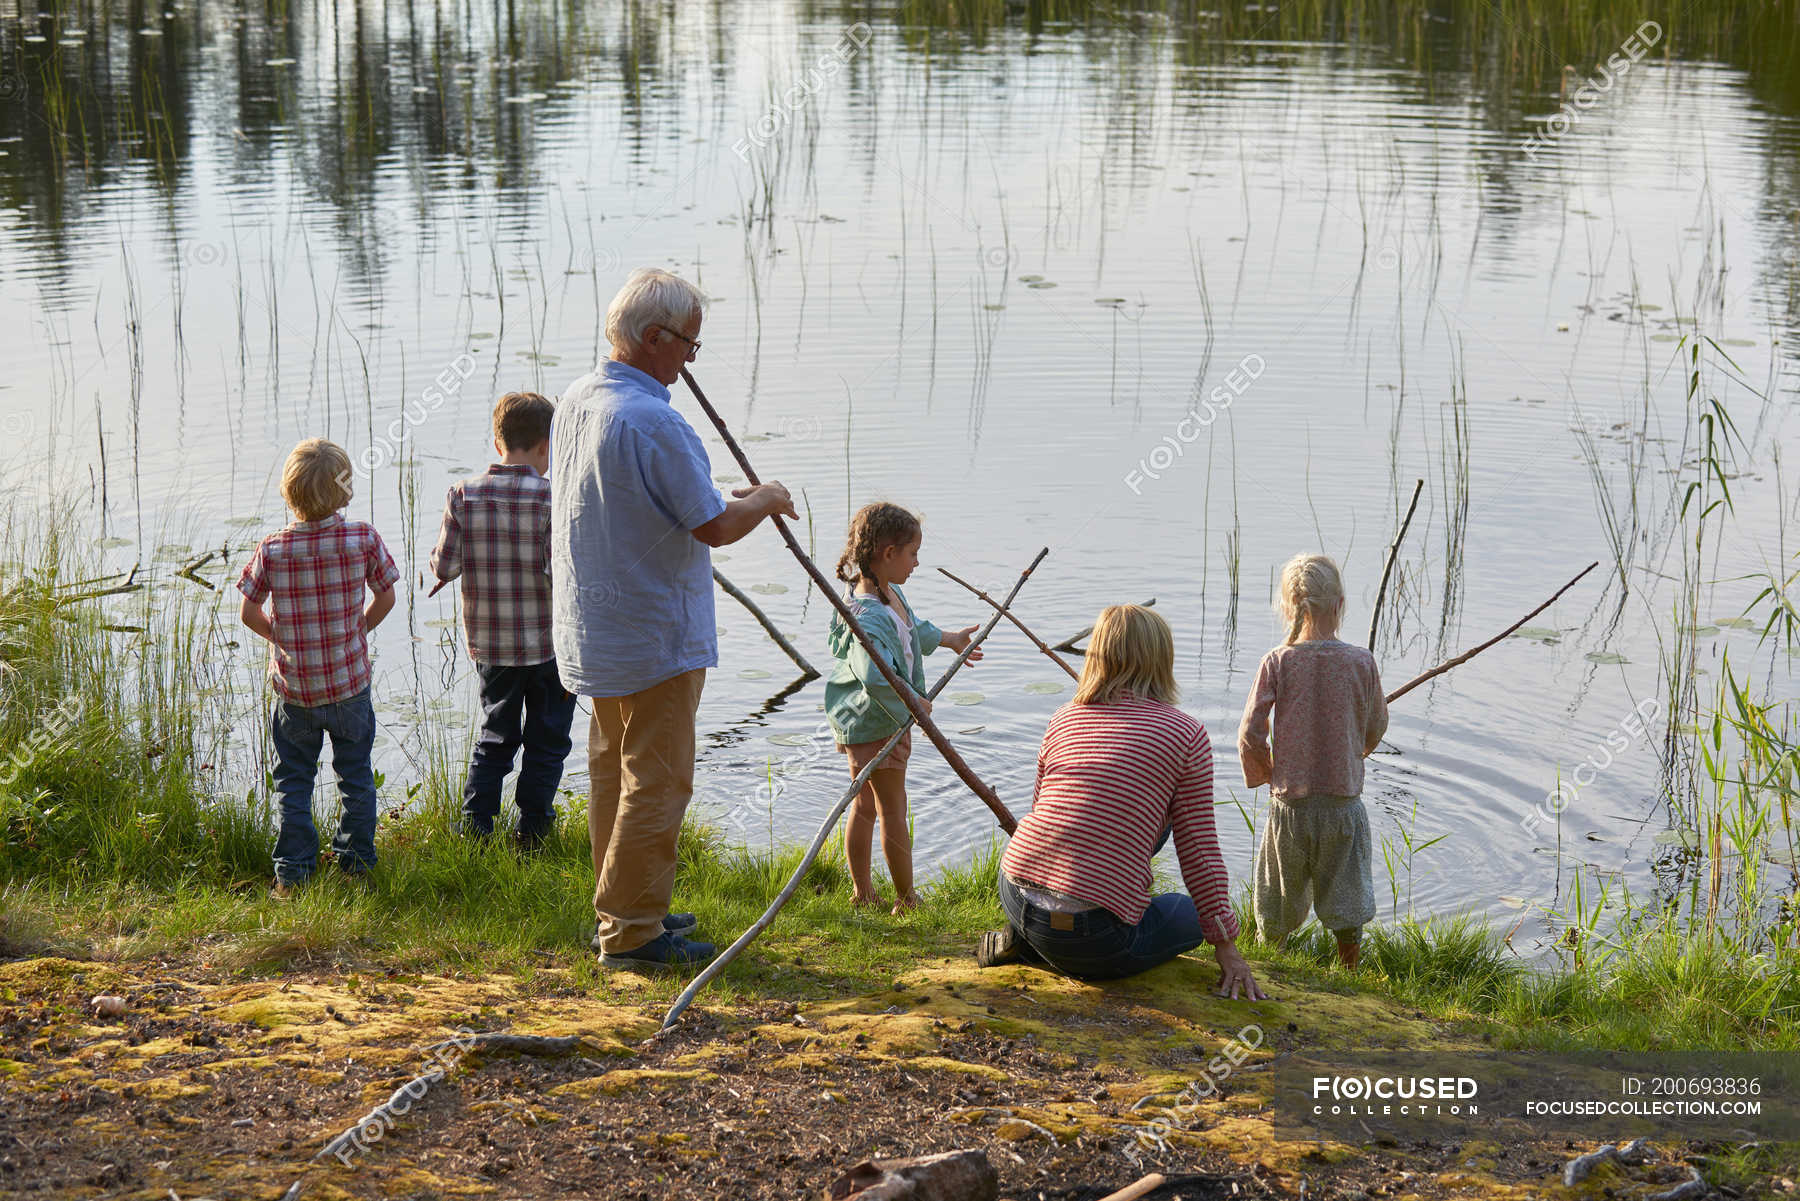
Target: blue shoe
(674, 923)
(664, 953)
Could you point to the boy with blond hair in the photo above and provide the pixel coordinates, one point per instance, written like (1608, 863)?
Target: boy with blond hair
(496, 537)
(312, 575)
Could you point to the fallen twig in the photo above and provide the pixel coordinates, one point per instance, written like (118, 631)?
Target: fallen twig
(1635, 1152)
(1441, 668)
(130, 585)
(900, 687)
(1036, 641)
(1393, 552)
(382, 1116)
(1068, 644)
(523, 1044)
(830, 823)
(737, 594)
(1139, 1189)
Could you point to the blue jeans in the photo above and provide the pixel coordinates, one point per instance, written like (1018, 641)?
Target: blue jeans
(520, 706)
(1095, 944)
(299, 736)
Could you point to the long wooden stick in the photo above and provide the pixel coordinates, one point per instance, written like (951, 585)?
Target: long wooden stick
(831, 819)
(762, 619)
(1393, 553)
(1068, 644)
(901, 687)
(1008, 614)
(1441, 668)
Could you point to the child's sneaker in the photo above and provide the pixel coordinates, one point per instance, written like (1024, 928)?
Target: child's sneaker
(666, 952)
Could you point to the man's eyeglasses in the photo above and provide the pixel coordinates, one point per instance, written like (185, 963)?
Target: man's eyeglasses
(693, 345)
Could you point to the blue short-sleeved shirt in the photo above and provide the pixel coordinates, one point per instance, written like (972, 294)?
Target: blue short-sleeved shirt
(632, 590)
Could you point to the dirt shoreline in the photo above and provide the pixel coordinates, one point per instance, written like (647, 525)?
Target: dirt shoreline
(227, 1084)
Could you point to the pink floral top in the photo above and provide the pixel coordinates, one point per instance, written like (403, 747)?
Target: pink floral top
(1316, 709)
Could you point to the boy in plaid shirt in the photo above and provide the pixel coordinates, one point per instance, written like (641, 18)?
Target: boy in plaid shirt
(312, 575)
(496, 536)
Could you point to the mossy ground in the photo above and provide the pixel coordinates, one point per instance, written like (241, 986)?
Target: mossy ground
(225, 1081)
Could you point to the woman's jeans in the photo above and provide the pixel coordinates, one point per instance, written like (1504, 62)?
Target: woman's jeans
(299, 736)
(1094, 944)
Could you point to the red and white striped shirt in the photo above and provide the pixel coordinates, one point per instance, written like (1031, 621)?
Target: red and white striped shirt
(496, 536)
(1110, 779)
(316, 571)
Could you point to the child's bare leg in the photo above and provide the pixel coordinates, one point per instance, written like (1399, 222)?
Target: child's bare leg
(859, 833)
(896, 839)
(1349, 946)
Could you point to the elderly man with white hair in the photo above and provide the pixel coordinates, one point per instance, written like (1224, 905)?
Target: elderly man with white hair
(633, 513)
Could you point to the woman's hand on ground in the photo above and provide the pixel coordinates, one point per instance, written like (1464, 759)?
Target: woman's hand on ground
(1235, 978)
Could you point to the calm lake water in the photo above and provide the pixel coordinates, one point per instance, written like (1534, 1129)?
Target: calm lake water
(984, 267)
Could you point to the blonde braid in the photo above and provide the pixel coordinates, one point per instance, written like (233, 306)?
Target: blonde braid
(1310, 584)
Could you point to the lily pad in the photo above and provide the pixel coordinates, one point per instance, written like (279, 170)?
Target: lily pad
(1030, 279)
(720, 556)
(1705, 631)
(1736, 342)
(1041, 284)
(1513, 902)
(1605, 657)
(1044, 687)
(1113, 301)
(769, 589)
(174, 548)
(967, 698)
(727, 478)
(1678, 838)
(753, 673)
(1542, 634)
(1736, 623)
(441, 623)
(112, 543)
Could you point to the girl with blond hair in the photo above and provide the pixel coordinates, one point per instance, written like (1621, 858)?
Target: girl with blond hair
(1315, 711)
(1120, 771)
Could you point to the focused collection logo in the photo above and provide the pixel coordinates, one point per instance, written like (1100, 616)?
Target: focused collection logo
(1395, 1096)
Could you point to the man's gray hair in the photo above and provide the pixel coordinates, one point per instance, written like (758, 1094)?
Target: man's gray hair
(651, 296)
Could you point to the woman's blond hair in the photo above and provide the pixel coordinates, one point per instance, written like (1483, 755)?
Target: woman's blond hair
(315, 482)
(1131, 650)
(1310, 584)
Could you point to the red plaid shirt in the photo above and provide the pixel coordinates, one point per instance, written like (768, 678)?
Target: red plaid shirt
(314, 572)
(496, 536)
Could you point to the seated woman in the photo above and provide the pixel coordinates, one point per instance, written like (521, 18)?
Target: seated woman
(1119, 771)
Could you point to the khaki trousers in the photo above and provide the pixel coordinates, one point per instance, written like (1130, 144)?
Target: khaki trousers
(641, 778)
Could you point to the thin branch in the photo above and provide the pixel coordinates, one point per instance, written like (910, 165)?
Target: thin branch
(1038, 642)
(1441, 668)
(1393, 553)
(737, 594)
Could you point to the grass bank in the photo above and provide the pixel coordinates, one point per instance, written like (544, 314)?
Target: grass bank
(122, 836)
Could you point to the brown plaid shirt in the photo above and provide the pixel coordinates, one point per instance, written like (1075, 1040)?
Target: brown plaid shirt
(496, 536)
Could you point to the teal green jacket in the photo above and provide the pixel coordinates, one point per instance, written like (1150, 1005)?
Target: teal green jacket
(858, 702)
